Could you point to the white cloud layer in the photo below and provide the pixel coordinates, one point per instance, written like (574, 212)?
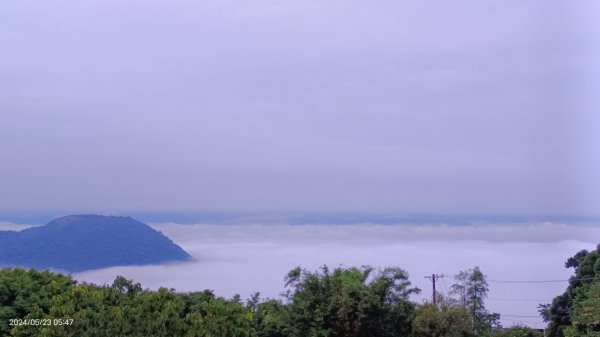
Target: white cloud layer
(9, 226)
(246, 258)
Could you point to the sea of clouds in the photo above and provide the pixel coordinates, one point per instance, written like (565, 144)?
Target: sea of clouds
(244, 258)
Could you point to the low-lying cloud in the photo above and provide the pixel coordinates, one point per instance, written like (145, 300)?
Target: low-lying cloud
(243, 259)
(9, 226)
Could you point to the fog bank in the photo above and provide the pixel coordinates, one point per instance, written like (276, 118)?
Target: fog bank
(242, 259)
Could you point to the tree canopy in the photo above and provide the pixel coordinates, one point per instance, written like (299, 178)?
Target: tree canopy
(576, 312)
(343, 302)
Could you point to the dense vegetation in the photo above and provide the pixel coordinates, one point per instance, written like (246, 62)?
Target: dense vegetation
(576, 312)
(353, 302)
(82, 242)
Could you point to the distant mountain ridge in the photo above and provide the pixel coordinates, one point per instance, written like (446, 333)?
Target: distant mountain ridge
(81, 242)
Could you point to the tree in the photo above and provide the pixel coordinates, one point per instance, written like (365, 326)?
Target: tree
(28, 294)
(470, 290)
(585, 316)
(449, 320)
(518, 331)
(353, 302)
(272, 319)
(579, 297)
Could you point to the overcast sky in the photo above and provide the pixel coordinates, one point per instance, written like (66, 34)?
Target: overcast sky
(272, 106)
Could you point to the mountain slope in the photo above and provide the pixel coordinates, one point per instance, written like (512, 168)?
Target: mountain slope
(81, 242)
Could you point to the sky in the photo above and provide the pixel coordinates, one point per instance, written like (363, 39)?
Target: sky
(283, 106)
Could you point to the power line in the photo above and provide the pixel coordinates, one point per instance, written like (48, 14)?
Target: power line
(532, 316)
(517, 300)
(513, 317)
(446, 288)
(513, 320)
(543, 281)
(517, 319)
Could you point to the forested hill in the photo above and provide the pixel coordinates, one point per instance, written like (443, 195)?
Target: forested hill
(81, 242)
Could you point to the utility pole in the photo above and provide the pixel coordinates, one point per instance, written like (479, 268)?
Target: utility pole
(433, 278)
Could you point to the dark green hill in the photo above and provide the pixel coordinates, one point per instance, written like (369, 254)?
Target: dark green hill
(81, 242)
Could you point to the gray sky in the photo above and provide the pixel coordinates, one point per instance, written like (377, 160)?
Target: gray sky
(270, 106)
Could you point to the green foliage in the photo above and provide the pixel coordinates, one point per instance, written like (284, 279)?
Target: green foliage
(28, 294)
(271, 319)
(572, 313)
(122, 309)
(471, 290)
(518, 331)
(585, 317)
(447, 321)
(344, 302)
(349, 302)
